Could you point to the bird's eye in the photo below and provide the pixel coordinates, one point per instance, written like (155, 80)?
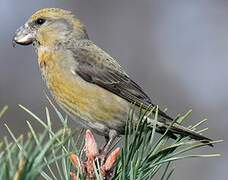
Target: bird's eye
(40, 21)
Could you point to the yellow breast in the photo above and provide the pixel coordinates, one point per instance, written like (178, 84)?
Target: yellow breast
(79, 97)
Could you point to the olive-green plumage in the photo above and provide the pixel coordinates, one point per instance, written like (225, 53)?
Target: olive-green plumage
(85, 81)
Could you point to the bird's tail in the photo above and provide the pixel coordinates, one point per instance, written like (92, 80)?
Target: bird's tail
(177, 129)
(183, 131)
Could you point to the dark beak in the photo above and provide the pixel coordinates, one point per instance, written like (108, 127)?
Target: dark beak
(23, 36)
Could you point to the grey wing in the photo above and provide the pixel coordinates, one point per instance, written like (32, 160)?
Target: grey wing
(96, 66)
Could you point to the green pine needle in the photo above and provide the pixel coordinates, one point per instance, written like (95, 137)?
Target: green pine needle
(46, 154)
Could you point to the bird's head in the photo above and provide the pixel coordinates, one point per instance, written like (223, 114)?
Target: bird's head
(50, 26)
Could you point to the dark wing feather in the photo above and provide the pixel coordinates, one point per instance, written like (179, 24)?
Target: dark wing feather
(104, 71)
(114, 81)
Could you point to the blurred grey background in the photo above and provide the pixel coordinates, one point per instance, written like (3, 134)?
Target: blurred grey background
(176, 50)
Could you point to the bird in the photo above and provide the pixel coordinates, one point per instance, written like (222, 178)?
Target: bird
(85, 81)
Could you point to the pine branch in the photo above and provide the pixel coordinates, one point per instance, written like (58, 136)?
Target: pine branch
(58, 154)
